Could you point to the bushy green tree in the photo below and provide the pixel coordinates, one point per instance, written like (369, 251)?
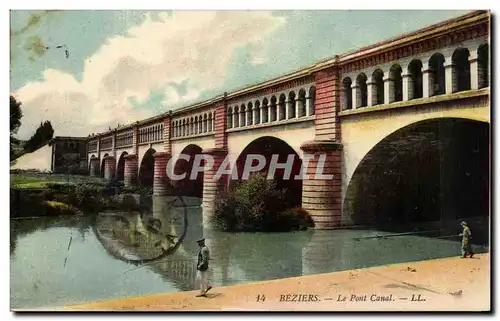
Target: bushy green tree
(15, 122)
(43, 134)
(257, 205)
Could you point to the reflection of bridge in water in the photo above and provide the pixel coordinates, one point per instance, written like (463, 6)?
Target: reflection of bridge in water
(248, 257)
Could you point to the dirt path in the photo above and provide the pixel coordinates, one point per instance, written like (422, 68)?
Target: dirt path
(444, 284)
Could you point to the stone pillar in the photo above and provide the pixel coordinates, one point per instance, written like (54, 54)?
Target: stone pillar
(167, 125)
(235, 119)
(261, 111)
(109, 168)
(450, 77)
(372, 93)
(356, 96)
(389, 93)
(135, 139)
(94, 167)
(212, 185)
(407, 87)
(321, 194)
(427, 83)
(160, 181)
(474, 76)
(242, 118)
(131, 170)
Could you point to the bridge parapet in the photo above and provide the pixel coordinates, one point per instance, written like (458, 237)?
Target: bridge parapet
(266, 107)
(197, 124)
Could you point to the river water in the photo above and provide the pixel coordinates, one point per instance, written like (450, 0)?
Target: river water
(60, 261)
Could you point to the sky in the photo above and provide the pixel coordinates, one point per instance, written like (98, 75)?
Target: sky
(86, 71)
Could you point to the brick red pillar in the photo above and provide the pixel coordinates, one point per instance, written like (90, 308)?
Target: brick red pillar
(160, 180)
(130, 175)
(94, 167)
(212, 187)
(321, 196)
(109, 168)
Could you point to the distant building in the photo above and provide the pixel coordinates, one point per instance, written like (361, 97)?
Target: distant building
(69, 154)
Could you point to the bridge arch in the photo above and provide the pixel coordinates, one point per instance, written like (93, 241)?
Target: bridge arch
(120, 168)
(101, 172)
(412, 177)
(146, 170)
(188, 186)
(268, 146)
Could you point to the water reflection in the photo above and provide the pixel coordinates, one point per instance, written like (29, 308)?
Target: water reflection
(118, 254)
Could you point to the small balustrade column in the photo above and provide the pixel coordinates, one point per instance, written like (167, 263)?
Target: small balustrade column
(131, 169)
(407, 86)
(427, 83)
(450, 76)
(308, 106)
(371, 93)
(356, 96)
(160, 179)
(474, 79)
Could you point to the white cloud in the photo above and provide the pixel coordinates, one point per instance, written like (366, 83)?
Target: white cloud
(186, 45)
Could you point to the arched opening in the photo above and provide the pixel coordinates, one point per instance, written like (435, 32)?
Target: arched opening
(302, 103)
(187, 186)
(483, 66)
(265, 111)
(205, 123)
(210, 122)
(282, 107)
(101, 172)
(257, 112)
(312, 100)
(415, 85)
(273, 116)
(291, 105)
(243, 111)
(196, 125)
(120, 169)
(378, 87)
(250, 114)
(184, 127)
(346, 93)
(236, 117)
(396, 92)
(146, 171)
(461, 66)
(229, 117)
(361, 91)
(432, 173)
(268, 146)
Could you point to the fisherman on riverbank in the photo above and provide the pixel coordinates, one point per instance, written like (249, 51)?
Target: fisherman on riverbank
(466, 238)
(202, 267)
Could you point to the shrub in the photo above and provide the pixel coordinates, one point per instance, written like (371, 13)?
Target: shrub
(257, 205)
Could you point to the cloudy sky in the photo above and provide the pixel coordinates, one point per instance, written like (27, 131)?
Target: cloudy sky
(87, 70)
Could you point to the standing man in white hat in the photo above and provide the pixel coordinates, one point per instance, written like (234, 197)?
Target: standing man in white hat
(466, 237)
(202, 267)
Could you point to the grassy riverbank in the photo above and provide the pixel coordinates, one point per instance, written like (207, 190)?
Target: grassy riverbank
(449, 284)
(40, 194)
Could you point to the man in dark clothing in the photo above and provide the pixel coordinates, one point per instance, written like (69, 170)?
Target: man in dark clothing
(202, 267)
(466, 238)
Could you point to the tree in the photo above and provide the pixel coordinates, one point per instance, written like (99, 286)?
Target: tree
(15, 122)
(43, 134)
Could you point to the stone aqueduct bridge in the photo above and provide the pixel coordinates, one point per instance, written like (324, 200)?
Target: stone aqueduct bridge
(341, 107)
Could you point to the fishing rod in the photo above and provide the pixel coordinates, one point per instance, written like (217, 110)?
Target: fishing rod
(394, 235)
(158, 262)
